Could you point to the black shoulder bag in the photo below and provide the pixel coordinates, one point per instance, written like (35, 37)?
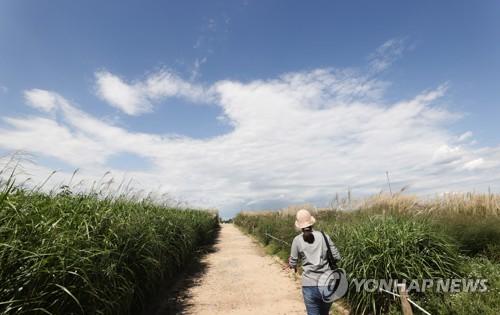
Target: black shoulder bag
(332, 262)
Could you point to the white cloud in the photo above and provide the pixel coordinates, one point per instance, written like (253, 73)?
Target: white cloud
(47, 137)
(299, 137)
(121, 95)
(474, 164)
(41, 99)
(138, 97)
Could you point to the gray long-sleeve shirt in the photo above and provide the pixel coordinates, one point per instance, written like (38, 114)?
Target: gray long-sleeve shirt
(313, 257)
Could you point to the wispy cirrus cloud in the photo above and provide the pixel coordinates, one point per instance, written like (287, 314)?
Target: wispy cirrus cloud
(195, 71)
(388, 53)
(298, 137)
(213, 30)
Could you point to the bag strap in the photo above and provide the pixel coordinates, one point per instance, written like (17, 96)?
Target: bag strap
(330, 258)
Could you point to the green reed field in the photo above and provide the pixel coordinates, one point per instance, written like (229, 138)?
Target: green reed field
(82, 253)
(402, 237)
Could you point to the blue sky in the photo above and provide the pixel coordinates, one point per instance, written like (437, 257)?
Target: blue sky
(183, 78)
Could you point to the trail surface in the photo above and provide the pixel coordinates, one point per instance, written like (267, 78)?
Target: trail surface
(241, 279)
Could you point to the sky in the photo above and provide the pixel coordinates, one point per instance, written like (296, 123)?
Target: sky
(245, 104)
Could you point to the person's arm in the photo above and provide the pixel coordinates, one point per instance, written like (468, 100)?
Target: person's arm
(294, 255)
(333, 248)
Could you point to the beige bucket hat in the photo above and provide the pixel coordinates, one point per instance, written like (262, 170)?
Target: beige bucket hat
(304, 219)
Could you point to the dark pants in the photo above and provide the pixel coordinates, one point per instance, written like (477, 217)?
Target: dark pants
(314, 302)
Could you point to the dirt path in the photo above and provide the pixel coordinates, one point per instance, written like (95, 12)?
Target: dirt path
(241, 279)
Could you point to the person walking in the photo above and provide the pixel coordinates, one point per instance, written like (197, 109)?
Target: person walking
(311, 248)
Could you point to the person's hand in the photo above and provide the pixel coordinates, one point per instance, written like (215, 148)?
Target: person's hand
(288, 267)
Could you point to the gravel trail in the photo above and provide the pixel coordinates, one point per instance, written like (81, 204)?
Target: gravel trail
(241, 279)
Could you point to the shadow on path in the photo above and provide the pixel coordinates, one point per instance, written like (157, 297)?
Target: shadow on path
(173, 297)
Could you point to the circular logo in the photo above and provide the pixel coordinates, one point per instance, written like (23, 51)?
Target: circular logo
(333, 285)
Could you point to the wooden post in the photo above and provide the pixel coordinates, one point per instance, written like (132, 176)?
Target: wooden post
(405, 305)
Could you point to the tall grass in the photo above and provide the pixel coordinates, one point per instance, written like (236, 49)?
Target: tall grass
(471, 219)
(79, 253)
(391, 248)
(449, 204)
(484, 303)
